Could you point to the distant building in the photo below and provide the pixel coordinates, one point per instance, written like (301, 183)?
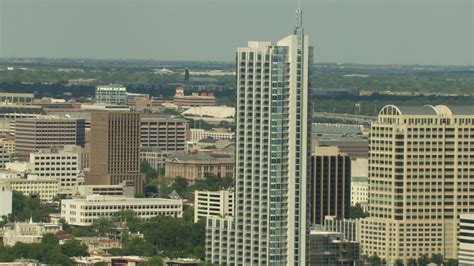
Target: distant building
(9, 145)
(125, 189)
(193, 100)
(466, 240)
(6, 200)
(186, 74)
(196, 166)
(34, 134)
(349, 228)
(218, 133)
(115, 150)
(28, 233)
(99, 244)
(355, 147)
(131, 97)
(359, 182)
(331, 184)
(155, 157)
(44, 189)
(16, 98)
(163, 132)
(59, 165)
(214, 143)
(111, 94)
(182, 262)
(328, 248)
(83, 212)
(213, 203)
(4, 155)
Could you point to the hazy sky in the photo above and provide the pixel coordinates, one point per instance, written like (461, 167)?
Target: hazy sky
(352, 31)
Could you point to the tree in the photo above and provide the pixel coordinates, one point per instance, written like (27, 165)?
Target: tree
(155, 260)
(423, 260)
(399, 262)
(375, 260)
(452, 262)
(437, 259)
(356, 211)
(188, 213)
(139, 246)
(180, 185)
(411, 262)
(74, 248)
(128, 217)
(103, 226)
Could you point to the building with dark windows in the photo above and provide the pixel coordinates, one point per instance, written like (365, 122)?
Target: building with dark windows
(115, 150)
(330, 184)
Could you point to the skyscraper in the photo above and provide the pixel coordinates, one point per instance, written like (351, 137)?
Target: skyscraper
(271, 215)
(420, 181)
(115, 149)
(331, 184)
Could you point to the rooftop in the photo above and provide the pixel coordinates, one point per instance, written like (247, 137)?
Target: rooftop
(427, 110)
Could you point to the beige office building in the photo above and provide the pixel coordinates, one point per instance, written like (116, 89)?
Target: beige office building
(421, 178)
(57, 164)
(115, 149)
(213, 203)
(45, 189)
(84, 212)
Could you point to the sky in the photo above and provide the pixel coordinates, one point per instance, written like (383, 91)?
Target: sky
(427, 32)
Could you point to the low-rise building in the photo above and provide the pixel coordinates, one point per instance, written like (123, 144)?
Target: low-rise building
(111, 94)
(209, 144)
(10, 174)
(83, 212)
(45, 189)
(196, 166)
(328, 248)
(99, 244)
(28, 233)
(198, 134)
(182, 262)
(125, 189)
(107, 259)
(16, 98)
(213, 203)
(9, 145)
(349, 228)
(193, 100)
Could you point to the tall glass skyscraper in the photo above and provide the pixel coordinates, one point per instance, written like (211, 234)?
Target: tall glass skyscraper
(270, 223)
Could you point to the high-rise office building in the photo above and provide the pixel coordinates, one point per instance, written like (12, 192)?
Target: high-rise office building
(330, 184)
(34, 134)
(115, 149)
(271, 215)
(420, 180)
(167, 133)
